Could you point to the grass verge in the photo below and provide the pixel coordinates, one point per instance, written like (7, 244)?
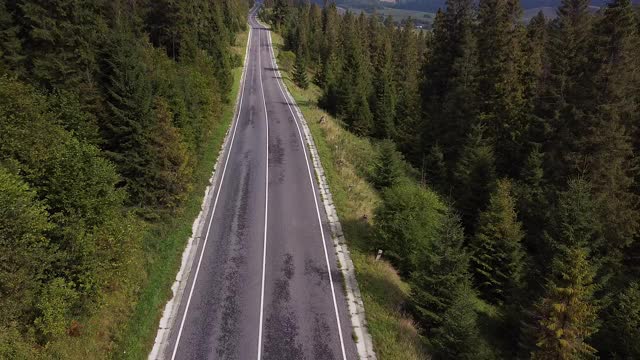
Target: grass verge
(347, 159)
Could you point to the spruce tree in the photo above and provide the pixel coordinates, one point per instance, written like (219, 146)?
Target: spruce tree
(300, 70)
(354, 86)
(497, 256)
(11, 57)
(499, 73)
(608, 153)
(408, 115)
(566, 316)
(441, 274)
(384, 104)
(435, 170)
(564, 94)
(474, 176)
(620, 331)
(459, 335)
(448, 88)
(130, 101)
(534, 210)
(389, 169)
(63, 39)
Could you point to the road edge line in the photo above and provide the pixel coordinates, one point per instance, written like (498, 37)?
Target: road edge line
(172, 307)
(364, 341)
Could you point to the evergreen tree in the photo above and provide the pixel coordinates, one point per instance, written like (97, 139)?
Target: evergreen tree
(459, 336)
(533, 208)
(11, 57)
(435, 169)
(560, 104)
(620, 331)
(566, 315)
(607, 146)
(449, 85)
(130, 101)
(475, 176)
(408, 115)
(354, 84)
(407, 221)
(389, 169)
(500, 87)
(441, 274)
(62, 43)
(497, 256)
(300, 70)
(385, 99)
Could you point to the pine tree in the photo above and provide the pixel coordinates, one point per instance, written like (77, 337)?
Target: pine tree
(300, 70)
(497, 256)
(475, 176)
(566, 315)
(441, 274)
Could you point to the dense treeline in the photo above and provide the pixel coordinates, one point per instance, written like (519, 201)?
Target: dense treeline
(528, 134)
(104, 110)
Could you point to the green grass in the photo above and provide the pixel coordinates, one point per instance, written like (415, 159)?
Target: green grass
(347, 159)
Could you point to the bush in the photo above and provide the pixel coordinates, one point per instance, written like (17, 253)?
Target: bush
(55, 304)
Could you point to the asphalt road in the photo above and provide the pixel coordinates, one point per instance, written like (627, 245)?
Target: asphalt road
(260, 286)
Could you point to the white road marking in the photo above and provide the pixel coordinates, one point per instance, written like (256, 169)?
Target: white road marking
(315, 199)
(266, 200)
(215, 203)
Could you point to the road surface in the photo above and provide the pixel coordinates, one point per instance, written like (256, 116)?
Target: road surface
(264, 283)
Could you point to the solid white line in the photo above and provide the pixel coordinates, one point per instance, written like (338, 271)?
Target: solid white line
(266, 200)
(315, 199)
(215, 203)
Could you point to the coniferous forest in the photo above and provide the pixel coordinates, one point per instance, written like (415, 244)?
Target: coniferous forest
(105, 111)
(522, 194)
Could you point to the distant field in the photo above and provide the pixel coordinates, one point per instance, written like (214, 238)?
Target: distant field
(399, 15)
(548, 11)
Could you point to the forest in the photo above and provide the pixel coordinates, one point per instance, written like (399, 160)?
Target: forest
(508, 167)
(106, 108)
